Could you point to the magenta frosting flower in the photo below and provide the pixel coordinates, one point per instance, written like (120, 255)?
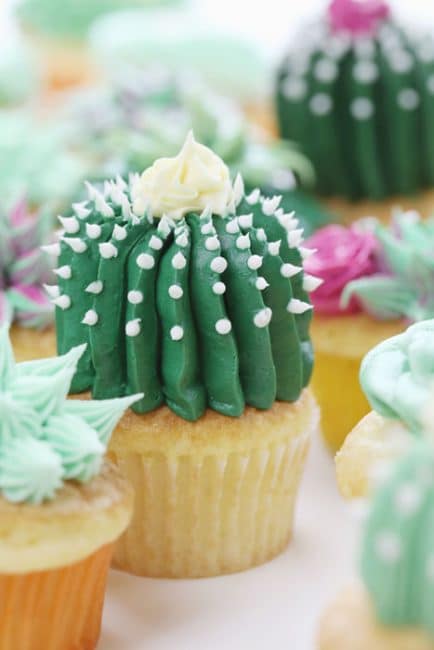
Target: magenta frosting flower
(23, 267)
(358, 17)
(342, 255)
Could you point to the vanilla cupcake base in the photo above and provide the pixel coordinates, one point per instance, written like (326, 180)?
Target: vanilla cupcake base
(350, 624)
(215, 496)
(340, 343)
(348, 211)
(367, 451)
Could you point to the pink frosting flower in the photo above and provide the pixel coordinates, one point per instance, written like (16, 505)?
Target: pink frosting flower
(359, 17)
(343, 254)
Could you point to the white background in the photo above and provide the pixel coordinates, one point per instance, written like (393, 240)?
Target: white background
(275, 606)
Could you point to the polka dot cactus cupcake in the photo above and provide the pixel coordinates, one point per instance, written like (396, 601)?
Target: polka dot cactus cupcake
(194, 294)
(357, 92)
(392, 607)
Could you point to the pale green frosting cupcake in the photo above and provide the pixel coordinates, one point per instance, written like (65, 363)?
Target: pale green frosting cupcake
(44, 438)
(70, 18)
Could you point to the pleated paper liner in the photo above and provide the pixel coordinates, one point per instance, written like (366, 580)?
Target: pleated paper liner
(203, 514)
(59, 609)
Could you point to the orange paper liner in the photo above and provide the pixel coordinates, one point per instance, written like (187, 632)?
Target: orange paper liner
(59, 609)
(205, 516)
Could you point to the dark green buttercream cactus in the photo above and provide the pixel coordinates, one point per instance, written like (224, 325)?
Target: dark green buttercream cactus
(357, 92)
(186, 290)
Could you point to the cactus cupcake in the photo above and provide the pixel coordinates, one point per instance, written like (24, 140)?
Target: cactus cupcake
(377, 280)
(356, 92)
(192, 293)
(392, 607)
(24, 269)
(396, 377)
(62, 506)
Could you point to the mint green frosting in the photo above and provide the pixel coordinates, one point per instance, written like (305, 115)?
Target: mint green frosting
(73, 19)
(18, 76)
(205, 311)
(397, 561)
(404, 289)
(397, 375)
(44, 439)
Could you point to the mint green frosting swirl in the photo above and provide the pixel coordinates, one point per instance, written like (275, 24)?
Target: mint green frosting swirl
(397, 560)
(202, 311)
(44, 439)
(397, 375)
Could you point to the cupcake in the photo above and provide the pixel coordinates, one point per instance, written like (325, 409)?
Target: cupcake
(60, 37)
(376, 281)
(62, 506)
(391, 607)
(194, 294)
(356, 92)
(123, 128)
(24, 269)
(396, 377)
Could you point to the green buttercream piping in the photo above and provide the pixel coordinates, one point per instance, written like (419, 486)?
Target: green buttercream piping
(44, 439)
(397, 563)
(397, 375)
(405, 289)
(206, 311)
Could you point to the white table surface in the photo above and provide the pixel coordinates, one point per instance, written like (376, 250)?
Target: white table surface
(275, 606)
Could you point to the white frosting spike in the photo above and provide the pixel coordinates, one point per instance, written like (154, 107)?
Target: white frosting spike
(238, 189)
(90, 318)
(155, 243)
(121, 183)
(63, 272)
(263, 317)
(178, 261)
(52, 290)
(254, 196)
(310, 282)
(261, 283)
(69, 224)
(93, 230)
(107, 250)
(91, 190)
(212, 243)
(81, 209)
(261, 234)
(246, 220)
(274, 247)
(75, 243)
(254, 262)
(295, 237)
(296, 306)
(232, 227)
(182, 240)
(270, 205)
(243, 242)
(102, 206)
(307, 252)
(64, 302)
(119, 232)
(95, 287)
(289, 270)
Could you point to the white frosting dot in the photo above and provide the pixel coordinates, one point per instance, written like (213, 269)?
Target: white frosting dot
(254, 262)
(243, 242)
(135, 297)
(365, 72)
(219, 264)
(246, 220)
(219, 288)
(388, 547)
(176, 333)
(408, 499)
(119, 232)
(107, 250)
(261, 283)
(64, 272)
(175, 291)
(321, 104)
(408, 99)
(362, 108)
(401, 61)
(212, 243)
(207, 228)
(63, 301)
(132, 328)
(223, 326)
(155, 243)
(325, 70)
(263, 317)
(90, 318)
(232, 227)
(182, 240)
(294, 88)
(145, 261)
(93, 230)
(95, 287)
(178, 261)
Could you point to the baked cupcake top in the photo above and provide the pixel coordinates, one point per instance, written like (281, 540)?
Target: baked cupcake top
(387, 272)
(44, 438)
(357, 92)
(397, 375)
(23, 267)
(397, 562)
(186, 290)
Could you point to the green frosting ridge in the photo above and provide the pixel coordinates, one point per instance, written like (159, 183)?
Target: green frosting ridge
(397, 375)
(361, 108)
(204, 311)
(397, 561)
(44, 439)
